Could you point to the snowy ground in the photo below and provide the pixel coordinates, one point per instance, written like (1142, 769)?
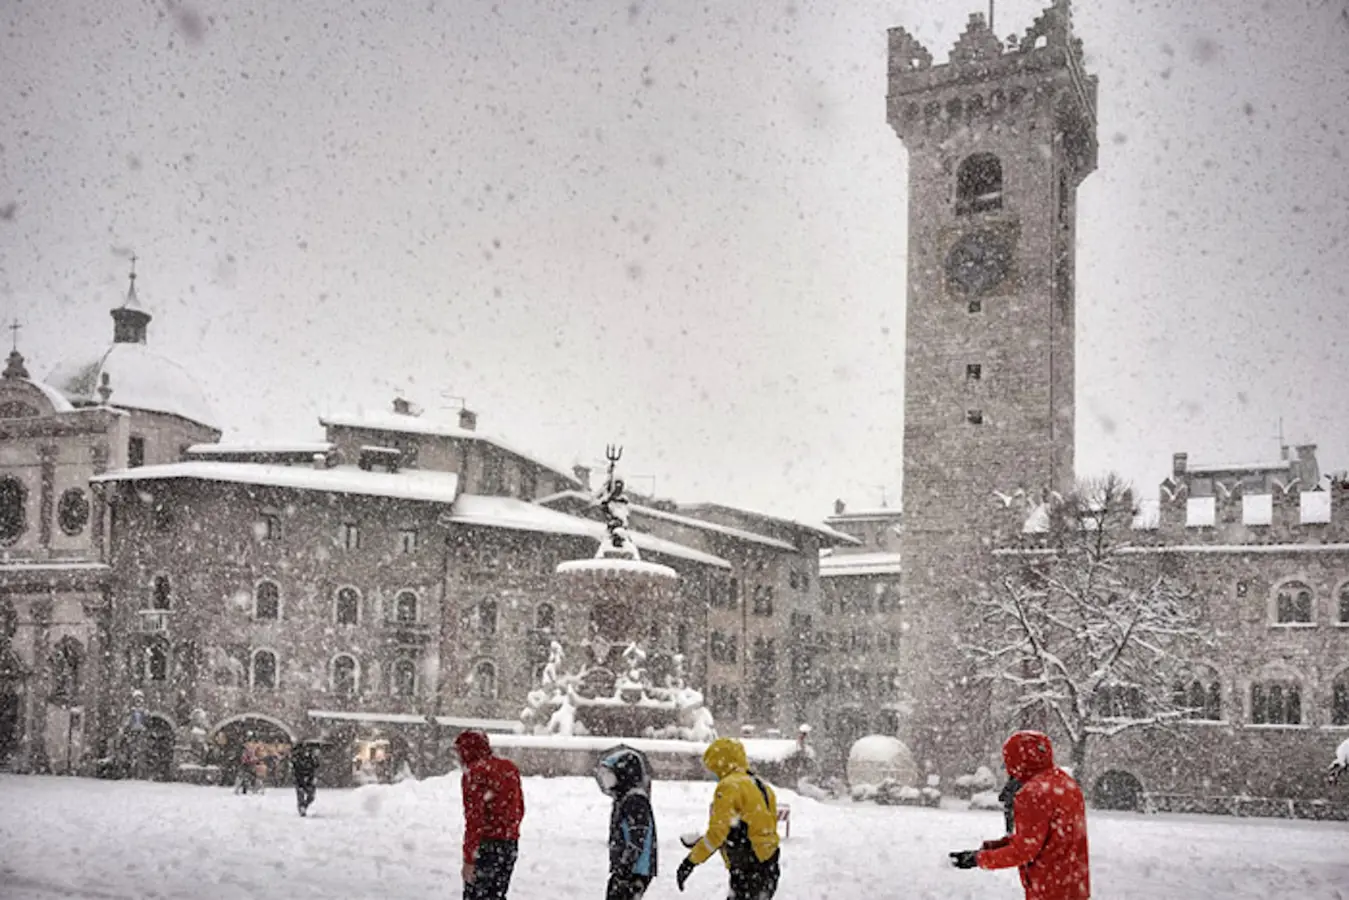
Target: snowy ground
(63, 838)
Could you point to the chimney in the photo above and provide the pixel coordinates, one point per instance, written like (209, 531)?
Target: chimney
(1179, 463)
(401, 406)
(839, 507)
(1306, 466)
(468, 420)
(582, 474)
(320, 461)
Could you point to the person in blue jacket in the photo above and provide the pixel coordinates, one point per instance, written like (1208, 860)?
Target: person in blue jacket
(625, 775)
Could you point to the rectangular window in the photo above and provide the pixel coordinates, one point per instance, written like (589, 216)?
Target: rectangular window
(974, 416)
(135, 452)
(763, 600)
(976, 305)
(974, 372)
(1276, 703)
(350, 536)
(407, 541)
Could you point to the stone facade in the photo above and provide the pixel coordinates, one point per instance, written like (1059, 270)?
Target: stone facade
(857, 633)
(56, 635)
(999, 139)
(1274, 589)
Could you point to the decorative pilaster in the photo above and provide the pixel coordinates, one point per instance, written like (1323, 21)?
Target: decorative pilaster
(47, 504)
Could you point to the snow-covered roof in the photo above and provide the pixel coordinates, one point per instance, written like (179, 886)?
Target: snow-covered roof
(614, 566)
(1257, 509)
(54, 397)
(1191, 548)
(1225, 468)
(401, 423)
(1315, 507)
(884, 513)
(139, 378)
(507, 512)
(757, 749)
(652, 513)
(260, 448)
(408, 484)
(1201, 512)
(875, 563)
(819, 530)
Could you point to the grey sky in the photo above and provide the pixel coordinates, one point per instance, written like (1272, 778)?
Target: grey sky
(679, 228)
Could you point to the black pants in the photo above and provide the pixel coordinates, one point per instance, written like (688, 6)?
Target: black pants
(626, 887)
(492, 871)
(757, 881)
(305, 791)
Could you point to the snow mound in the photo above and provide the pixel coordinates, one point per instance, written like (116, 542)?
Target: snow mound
(878, 758)
(985, 800)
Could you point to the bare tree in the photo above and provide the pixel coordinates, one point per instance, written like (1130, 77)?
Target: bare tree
(1083, 632)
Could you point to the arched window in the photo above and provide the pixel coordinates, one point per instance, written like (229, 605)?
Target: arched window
(405, 608)
(13, 511)
(404, 678)
(1293, 603)
(264, 670)
(485, 680)
(65, 662)
(267, 601)
(978, 184)
(1276, 700)
(344, 679)
(1198, 695)
(161, 595)
(157, 662)
(9, 620)
(1120, 701)
(348, 606)
(487, 617)
(544, 617)
(1339, 699)
(1342, 611)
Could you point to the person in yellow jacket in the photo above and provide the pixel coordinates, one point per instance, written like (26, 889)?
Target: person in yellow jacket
(743, 825)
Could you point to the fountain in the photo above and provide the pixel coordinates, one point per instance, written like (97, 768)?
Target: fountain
(620, 688)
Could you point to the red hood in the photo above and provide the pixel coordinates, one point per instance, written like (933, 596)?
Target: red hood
(473, 747)
(1027, 754)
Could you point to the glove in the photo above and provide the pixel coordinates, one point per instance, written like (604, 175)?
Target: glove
(685, 870)
(964, 859)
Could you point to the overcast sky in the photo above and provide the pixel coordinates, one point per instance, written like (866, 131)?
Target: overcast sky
(676, 226)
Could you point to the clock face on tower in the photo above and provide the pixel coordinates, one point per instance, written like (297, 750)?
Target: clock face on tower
(978, 262)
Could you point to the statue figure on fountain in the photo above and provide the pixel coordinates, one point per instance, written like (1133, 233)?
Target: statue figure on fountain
(640, 691)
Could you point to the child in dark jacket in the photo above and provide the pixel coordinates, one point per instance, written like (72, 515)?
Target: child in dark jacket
(624, 775)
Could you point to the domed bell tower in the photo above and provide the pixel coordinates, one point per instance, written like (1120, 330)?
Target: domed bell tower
(999, 138)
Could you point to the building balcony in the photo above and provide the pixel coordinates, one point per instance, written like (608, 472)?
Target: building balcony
(409, 634)
(154, 621)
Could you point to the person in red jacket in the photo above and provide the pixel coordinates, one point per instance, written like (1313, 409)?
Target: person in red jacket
(1048, 843)
(494, 806)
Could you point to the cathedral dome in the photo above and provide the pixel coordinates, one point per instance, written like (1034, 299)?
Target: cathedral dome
(139, 379)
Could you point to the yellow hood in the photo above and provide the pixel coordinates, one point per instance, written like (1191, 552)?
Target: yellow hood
(724, 756)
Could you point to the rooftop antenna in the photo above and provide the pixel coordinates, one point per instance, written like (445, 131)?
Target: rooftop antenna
(1283, 447)
(885, 501)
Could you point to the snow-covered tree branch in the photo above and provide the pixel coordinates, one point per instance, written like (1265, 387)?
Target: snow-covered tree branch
(1081, 635)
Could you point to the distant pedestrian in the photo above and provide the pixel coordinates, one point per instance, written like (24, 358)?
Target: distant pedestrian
(624, 775)
(743, 825)
(494, 806)
(1048, 842)
(305, 760)
(249, 765)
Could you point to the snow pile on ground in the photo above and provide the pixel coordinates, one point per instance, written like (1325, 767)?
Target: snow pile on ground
(69, 837)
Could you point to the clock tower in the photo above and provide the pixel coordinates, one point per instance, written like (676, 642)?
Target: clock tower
(999, 138)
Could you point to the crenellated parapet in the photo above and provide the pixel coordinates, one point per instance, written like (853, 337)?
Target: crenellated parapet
(986, 81)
